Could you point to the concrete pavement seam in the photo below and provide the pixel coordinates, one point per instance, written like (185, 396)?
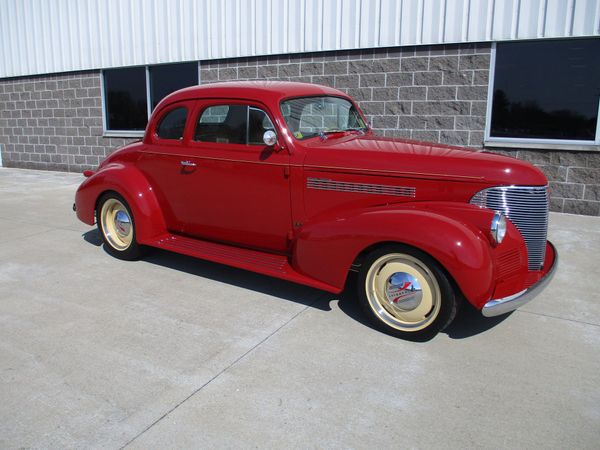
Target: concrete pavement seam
(28, 235)
(40, 224)
(559, 318)
(241, 357)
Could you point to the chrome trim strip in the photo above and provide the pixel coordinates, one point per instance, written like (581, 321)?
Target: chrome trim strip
(507, 304)
(427, 175)
(208, 158)
(325, 184)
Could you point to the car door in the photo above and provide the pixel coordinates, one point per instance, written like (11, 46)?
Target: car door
(240, 185)
(230, 186)
(160, 161)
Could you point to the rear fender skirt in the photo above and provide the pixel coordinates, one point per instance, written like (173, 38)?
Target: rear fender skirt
(129, 182)
(326, 248)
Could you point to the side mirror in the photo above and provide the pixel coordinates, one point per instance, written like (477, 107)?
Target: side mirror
(270, 138)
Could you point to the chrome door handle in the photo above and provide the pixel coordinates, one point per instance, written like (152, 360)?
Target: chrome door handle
(188, 164)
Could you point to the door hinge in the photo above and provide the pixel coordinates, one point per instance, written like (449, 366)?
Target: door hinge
(286, 172)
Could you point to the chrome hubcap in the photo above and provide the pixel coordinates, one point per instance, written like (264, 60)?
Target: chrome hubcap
(122, 223)
(403, 292)
(116, 224)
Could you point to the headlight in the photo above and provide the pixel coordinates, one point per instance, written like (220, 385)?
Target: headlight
(498, 227)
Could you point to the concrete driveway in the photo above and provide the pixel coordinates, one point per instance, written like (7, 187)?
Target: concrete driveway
(172, 352)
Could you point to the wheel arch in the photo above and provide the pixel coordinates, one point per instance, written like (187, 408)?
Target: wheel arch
(128, 182)
(102, 194)
(360, 257)
(328, 248)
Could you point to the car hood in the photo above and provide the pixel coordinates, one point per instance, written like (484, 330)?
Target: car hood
(413, 159)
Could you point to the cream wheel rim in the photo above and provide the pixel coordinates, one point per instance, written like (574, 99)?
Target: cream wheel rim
(116, 224)
(403, 292)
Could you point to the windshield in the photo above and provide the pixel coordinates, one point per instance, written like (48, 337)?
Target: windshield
(312, 116)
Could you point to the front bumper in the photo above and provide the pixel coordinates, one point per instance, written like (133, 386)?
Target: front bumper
(507, 304)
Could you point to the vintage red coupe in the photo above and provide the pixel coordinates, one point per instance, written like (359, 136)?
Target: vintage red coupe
(288, 180)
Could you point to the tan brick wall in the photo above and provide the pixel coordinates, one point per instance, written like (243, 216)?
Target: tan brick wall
(53, 122)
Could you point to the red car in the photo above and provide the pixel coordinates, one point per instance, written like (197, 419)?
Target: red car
(288, 180)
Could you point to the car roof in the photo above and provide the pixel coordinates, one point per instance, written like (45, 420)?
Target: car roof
(261, 91)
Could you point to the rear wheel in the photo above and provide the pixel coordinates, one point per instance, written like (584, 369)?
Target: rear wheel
(117, 227)
(405, 293)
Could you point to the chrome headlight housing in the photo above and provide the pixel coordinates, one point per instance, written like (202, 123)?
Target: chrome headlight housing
(498, 227)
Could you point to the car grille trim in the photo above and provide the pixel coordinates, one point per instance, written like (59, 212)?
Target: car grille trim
(365, 188)
(527, 207)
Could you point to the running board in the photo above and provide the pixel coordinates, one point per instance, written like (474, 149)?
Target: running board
(264, 263)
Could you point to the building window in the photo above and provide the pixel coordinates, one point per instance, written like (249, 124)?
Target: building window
(546, 91)
(169, 78)
(125, 99)
(130, 94)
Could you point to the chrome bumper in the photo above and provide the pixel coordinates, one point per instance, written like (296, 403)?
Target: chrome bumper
(512, 302)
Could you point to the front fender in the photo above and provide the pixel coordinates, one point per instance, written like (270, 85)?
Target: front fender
(451, 233)
(130, 183)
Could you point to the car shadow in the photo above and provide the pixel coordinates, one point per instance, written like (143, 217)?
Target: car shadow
(468, 322)
(93, 237)
(245, 279)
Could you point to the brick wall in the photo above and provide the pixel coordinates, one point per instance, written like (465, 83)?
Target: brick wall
(436, 93)
(53, 122)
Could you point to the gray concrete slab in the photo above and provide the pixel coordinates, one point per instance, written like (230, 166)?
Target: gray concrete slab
(172, 352)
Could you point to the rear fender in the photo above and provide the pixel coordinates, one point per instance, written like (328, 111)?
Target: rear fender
(130, 183)
(326, 248)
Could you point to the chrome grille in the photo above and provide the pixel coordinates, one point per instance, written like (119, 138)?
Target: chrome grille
(527, 209)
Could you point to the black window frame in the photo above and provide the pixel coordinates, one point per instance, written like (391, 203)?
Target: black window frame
(524, 142)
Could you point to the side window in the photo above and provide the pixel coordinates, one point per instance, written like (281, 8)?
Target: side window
(232, 124)
(225, 124)
(172, 124)
(258, 123)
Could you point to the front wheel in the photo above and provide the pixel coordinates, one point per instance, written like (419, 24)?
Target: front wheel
(116, 225)
(405, 293)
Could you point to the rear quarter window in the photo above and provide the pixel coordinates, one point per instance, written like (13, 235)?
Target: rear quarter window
(172, 124)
